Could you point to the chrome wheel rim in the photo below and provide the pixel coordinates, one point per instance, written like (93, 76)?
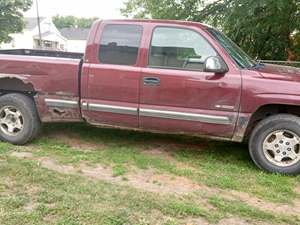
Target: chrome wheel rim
(282, 148)
(11, 120)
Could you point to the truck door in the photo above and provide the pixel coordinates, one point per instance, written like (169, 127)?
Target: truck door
(177, 95)
(110, 81)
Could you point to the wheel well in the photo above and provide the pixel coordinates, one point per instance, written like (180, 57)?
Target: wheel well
(269, 110)
(8, 85)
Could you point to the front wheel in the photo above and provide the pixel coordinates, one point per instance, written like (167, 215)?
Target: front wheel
(275, 144)
(19, 120)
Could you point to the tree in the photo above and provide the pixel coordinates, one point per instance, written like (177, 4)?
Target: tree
(64, 21)
(11, 17)
(295, 53)
(162, 9)
(86, 22)
(72, 22)
(265, 29)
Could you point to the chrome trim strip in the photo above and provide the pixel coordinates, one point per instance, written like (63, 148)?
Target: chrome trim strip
(61, 103)
(158, 113)
(186, 116)
(113, 109)
(229, 107)
(84, 105)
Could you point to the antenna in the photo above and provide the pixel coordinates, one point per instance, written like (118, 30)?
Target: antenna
(39, 23)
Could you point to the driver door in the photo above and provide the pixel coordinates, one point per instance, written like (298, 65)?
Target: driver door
(177, 95)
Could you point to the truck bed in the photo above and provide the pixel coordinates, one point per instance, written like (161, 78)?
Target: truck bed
(51, 78)
(51, 75)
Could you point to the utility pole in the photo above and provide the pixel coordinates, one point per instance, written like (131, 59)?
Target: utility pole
(39, 24)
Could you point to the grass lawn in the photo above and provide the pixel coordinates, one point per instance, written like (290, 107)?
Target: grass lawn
(77, 174)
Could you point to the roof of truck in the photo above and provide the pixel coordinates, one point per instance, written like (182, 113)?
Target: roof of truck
(179, 22)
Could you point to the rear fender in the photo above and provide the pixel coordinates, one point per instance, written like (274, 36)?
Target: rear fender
(26, 84)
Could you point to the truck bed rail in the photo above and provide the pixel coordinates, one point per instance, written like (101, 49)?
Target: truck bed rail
(43, 53)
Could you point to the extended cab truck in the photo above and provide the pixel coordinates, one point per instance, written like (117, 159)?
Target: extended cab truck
(165, 76)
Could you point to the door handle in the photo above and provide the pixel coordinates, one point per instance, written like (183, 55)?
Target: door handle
(151, 81)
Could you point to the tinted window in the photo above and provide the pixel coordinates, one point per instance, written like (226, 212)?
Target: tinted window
(120, 44)
(179, 48)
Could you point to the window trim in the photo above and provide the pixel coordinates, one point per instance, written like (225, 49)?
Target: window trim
(178, 68)
(120, 24)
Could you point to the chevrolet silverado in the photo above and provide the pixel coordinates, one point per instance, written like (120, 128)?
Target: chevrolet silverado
(161, 76)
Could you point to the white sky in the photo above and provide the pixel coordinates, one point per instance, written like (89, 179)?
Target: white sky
(104, 9)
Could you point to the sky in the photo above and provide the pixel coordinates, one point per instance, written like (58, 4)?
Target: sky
(104, 9)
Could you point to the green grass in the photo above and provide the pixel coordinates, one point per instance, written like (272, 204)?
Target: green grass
(30, 194)
(74, 200)
(224, 165)
(243, 210)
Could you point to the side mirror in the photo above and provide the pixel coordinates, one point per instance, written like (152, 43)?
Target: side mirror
(215, 64)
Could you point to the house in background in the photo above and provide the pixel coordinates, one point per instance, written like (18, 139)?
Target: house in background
(76, 38)
(30, 38)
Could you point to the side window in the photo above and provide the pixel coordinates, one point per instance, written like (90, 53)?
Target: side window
(120, 44)
(179, 49)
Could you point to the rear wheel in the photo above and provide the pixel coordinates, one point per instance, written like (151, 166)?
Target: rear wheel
(275, 144)
(19, 121)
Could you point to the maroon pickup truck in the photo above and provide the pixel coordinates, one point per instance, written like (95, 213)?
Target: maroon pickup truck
(163, 76)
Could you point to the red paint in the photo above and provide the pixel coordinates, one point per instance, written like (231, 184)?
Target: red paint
(180, 91)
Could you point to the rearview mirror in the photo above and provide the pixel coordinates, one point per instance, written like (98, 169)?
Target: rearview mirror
(215, 64)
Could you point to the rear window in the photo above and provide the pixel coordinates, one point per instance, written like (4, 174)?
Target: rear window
(120, 44)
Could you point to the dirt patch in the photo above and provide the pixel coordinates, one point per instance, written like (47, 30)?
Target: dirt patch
(167, 155)
(146, 180)
(75, 141)
(31, 206)
(149, 180)
(22, 154)
(158, 152)
(52, 165)
(192, 146)
(168, 149)
(226, 221)
(239, 221)
(161, 183)
(283, 208)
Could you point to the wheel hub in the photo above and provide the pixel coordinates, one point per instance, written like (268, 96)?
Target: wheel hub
(11, 120)
(282, 148)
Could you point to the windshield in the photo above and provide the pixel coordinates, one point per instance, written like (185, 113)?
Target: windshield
(236, 53)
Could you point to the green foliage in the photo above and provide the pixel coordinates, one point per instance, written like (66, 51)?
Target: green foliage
(162, 9)
(11, 17)
(296, 47)
(72, 22)
(265, 29)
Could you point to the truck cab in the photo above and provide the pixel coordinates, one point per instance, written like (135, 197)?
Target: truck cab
(152, 76)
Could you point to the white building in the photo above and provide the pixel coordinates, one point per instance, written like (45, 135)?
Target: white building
(76, 39)
(30, 38)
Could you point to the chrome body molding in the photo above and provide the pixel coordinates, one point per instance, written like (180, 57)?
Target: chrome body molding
(84, 105)
(224, 120)
(61, 103)
(112, 109)
(229, 107)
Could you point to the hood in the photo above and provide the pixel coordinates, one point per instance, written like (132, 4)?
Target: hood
(278, 72)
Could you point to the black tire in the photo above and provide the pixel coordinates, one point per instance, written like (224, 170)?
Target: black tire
(31, 121)
(260, 133)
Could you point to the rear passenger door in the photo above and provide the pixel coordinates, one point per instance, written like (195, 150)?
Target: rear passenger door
(177, 95)
(111, 90)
